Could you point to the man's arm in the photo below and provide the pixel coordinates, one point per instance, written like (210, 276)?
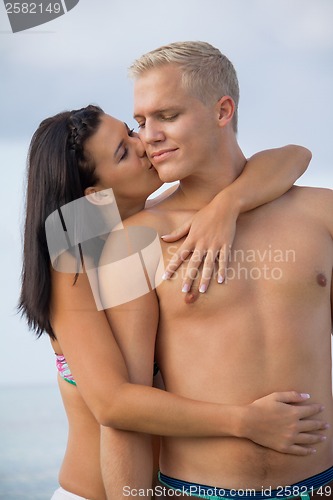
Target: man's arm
(332, 302)
(321, 204)
(327, 211)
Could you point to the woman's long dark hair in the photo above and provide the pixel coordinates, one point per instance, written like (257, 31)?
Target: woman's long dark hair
(58, 173)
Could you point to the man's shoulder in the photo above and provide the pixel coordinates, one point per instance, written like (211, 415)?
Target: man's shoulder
(315, 202)
(320, 197)
(301, 205)
(313, 192)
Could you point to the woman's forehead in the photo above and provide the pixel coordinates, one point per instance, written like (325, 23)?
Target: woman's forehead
(106, 137)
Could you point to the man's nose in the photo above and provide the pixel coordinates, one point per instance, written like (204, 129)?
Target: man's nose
(151, 133)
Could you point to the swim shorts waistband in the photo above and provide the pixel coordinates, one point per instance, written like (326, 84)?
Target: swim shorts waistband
(301, 489)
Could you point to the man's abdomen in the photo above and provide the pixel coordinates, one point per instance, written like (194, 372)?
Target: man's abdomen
(236, 359)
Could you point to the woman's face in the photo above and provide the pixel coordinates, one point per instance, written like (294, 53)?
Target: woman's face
(121, 162)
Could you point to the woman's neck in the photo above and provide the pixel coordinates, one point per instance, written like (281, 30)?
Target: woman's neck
(127, 208)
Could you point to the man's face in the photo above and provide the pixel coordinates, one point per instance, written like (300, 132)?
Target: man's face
(179, 132)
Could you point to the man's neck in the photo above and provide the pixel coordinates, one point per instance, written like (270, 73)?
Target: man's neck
(199, 189)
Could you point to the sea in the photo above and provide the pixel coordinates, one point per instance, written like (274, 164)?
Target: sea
(33, 436)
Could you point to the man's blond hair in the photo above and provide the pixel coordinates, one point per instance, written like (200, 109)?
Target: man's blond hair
(207, 73)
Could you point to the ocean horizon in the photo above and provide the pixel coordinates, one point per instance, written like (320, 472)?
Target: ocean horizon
(33, 436)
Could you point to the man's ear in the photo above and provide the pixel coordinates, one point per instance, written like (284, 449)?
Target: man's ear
(99, 197)
(225, 108)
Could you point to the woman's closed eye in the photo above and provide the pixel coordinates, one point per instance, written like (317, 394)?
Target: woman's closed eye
(125, 154)
(130, 132)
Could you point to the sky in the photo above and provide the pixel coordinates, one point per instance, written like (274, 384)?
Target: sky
(283, 54)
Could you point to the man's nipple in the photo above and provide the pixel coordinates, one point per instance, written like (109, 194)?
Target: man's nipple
(192, 296)
(321, 279)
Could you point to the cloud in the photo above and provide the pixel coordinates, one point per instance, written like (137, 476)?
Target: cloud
(282, 51)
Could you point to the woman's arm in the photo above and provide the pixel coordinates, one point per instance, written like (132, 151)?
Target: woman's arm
(113, 373)
(266, 176)
(103, 372)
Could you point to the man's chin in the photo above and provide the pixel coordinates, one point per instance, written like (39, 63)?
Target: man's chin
(167, 175)
(168, 179)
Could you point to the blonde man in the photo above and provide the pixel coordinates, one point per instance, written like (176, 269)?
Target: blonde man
(263, 326)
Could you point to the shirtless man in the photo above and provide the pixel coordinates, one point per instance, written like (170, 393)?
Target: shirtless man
(268, 326)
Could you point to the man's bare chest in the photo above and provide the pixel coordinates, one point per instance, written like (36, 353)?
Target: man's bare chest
(273, 256)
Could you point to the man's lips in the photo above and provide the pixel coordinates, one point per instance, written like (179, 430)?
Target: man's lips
(161, 155)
